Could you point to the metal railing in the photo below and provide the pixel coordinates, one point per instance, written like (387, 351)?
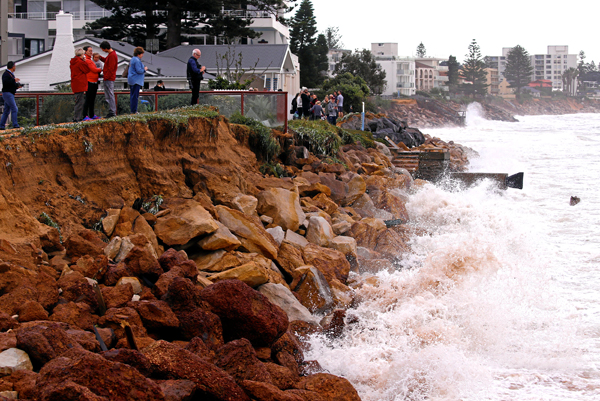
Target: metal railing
(50, 16)
(270, 108)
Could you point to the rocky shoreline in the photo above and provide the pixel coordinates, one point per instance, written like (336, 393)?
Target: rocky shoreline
(151, 260)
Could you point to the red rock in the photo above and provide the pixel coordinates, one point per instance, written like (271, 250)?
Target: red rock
(71, 391)
(75, 314)
(183, 270)
(267, 392)
(111, 380)
(86, 339)
(182, 295)
(178, 390)
(76, 288)
(13, 276)
(24, 382)
(238, 358)
(11, 303)
(171, 258)
(329, 387)
(333, 324)
(45, 342)
(156, 315)
(130, 357)
(199, 348)
(281, 376)
(173, 362)
(85, 242)
(203, 324)
(8, 340)
(7, 322)
(245, 312)
(140, 261)
(115, 272)
(114, 318)
(307, 395)
(118, 296)
(47, 290)
(32, 310)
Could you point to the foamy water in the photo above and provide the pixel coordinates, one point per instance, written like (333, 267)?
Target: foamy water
(501, 298)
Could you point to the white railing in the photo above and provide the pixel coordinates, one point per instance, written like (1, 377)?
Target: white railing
(77, 15)
(247, 13)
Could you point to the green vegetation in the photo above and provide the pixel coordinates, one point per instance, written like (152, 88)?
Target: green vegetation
(324, 139)
(310, 49)
(362, 64)
(152, 206)
(518, 68)
(354, 89)
(473, 71)
(375, 103)
(261, 138)
(273, 169)
(45, 219)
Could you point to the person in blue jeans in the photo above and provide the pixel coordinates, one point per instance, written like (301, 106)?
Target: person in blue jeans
(10, 84)
(135, 78)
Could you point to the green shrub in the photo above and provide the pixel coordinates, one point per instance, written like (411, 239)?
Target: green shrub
(261, 138)
(351, 136)
(319, 137)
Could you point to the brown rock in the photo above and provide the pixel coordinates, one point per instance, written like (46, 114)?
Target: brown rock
(11, 303)
(312, 289)
(86, 339)
(47, 290)
(324, 203)
(251, 233)
(45, 342)
(76, 288)
(173, 362)
(178, 390)
(85, 242)
(283, 206)
(319, 231)
(75, 314)
(118, 296)
(24, 383)
(115, 273)
(8, 340)
(110, 380)
(220, 239)
(110, 221)
(289, 258)
(91, 267)
(364, 234)
(249, 273)
(331, 263)
(7, 322)
(141, 261)
(32, 310)
(239, 359)
(330, 387)
(385, 200)
(339, 189)
(182, 295)
(307, 395)
(130, 357)
(245, 312)
(245, 204)
(115, 317)
(199, 348)
(281, 376)
(186, 221)
(171, 258)
(267, 392)
(156, 315)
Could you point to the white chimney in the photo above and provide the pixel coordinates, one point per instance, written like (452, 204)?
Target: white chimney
(63, 51)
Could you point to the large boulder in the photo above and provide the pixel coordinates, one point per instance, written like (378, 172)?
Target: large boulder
(251, 233)
(312, 290)
(172, 362)
(331, 263)
(245, 313)
(220, 239)
(283, 206)
(329, 387)
(88, 371)
(44, 342)
(187, 220)
(239, 359)
(319, 231)
(285, 299)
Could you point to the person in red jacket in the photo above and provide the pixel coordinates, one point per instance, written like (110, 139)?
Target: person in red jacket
(110, 74)
(92, 78)
(79, 82)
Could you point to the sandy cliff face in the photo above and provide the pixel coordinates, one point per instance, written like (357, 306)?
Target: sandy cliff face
(74, 177)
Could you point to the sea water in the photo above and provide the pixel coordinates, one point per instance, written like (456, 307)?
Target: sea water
(500, 297)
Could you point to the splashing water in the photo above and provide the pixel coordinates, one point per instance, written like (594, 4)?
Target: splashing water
(501, 297)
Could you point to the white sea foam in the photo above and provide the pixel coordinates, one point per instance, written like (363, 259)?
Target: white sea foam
(501, 300)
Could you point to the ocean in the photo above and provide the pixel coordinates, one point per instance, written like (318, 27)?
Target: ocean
(500, 298)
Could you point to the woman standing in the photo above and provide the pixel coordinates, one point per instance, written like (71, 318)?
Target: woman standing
(135, 78)
(92, 88)
(332, 110)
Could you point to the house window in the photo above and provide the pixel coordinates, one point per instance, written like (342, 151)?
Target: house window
(71, 6)
(33, 47)
(275, 83)
(268, 84)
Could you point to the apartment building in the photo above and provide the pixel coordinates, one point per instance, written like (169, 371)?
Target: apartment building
(333, 57)
(552, 65)
(431, 72)
(492, 80)
(399, 71)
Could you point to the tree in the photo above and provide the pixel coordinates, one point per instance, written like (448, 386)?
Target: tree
(321, 60)
(354, 89)
(135, 20)
(569, 78)
(421, 50)
(362, 64)
(453, 71)
(518, 68)
(473, 71)
(333, 37)
(303, 43)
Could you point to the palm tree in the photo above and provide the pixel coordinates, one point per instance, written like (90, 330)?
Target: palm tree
(569, 78)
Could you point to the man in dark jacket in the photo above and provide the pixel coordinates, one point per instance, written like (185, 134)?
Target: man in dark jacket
(305, 96)
(9, 88)
(195, 73)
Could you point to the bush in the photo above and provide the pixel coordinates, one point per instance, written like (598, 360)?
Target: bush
(261, 139)
(320, 137)
(354, 89)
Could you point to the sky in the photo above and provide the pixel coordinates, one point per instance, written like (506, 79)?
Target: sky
(448, 27)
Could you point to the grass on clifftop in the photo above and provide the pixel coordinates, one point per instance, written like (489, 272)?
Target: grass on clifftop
(322, 138)
(176, 117)
(261, 137)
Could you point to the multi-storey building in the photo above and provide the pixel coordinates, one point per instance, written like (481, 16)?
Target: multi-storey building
(333, 57)
(431, 72)
(553, 64)
(492, 81)
(399, 71)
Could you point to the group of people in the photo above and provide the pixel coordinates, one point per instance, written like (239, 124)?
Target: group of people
(306, 105)
(86, 69)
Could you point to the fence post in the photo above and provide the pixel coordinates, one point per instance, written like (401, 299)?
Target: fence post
(242, 106)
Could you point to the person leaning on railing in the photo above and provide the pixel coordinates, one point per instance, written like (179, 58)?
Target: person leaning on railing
(79, 82)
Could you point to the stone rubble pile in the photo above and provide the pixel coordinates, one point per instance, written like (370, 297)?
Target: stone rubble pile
(200, 300)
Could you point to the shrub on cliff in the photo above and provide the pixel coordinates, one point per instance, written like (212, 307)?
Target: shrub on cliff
(260, 139)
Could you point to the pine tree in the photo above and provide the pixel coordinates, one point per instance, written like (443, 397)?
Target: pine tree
(518, 69)
(421, 50)
(453, 72)
(334, 38)
(303, 43)
(473, 71)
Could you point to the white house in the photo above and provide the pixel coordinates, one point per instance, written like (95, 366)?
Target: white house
(399, 71)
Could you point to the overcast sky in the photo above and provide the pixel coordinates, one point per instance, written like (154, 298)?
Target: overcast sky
(447, 27)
